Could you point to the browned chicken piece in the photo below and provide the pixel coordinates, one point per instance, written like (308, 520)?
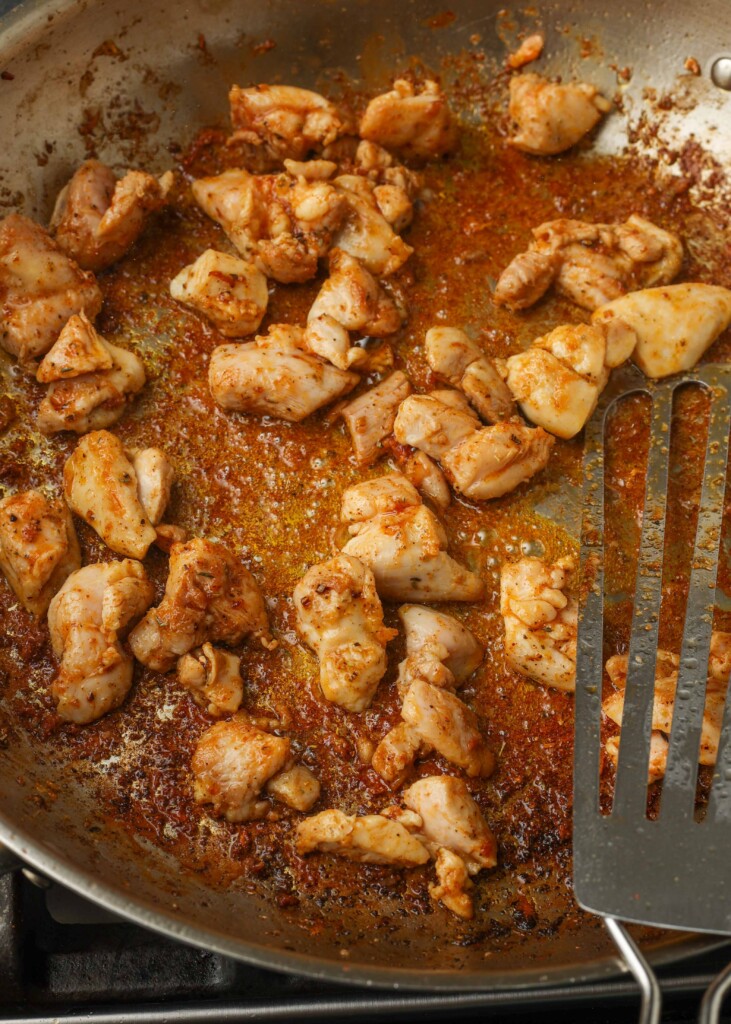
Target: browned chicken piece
(349, 300)
(85, 619)
(558, 380)
(311, 170)
(91, 381)
(232, 763)
(540, 621)
(275, 375)
(404, 544)
(370, 839)
(38, 547)
(395, 186)
(297, 787)
(209, 595)
(370, 416)
(551, 117)
(40, 288)
(291, 122)
(98, 217)
(230, 292)
(434, 718)
(213, 677)
(435, 423)
(666, 681)
(591, 264)
(366, 233)
(452, 355)
(101, 485)
(529, 50)
(451, 819)
(409, 122)
(427, 478)
(341, 618)
(280, 223)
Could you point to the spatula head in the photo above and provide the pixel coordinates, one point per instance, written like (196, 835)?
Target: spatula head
(673, 871)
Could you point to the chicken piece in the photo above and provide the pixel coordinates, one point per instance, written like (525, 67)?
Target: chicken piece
(666, 680)
(232, 763)
(100, 485)
(98, 218)
(395, 186)
(38, 547)
(340, 616)
(296, 787)
(213, 677)
(415, 124)
(425, 627)
(404, 545)
(591, 264)
(451, 819)
(311, 170)
(551, 118)
(529, 50)
(85, 620)
(454, 884)
(428, 479)
(40, 288)
(674, 325)
(91, 381)
(280, 223)
(230, 292)
(155, 477)
(370, 498)
(454, 356)
(558, 380)
(493, 461)
(370, 416)
(445, 724)
(427, 422)
(275, 375)
(371, 839)
(366, 234)
(396, 753)
(540, 621)
(290, 122)
(349, 300)
(209, 595)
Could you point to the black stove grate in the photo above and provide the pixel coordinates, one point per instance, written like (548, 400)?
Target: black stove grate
(62, 961)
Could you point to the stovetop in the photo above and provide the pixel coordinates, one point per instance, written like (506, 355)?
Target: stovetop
(64, 960)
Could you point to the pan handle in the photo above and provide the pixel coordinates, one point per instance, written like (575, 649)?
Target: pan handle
(8, 861)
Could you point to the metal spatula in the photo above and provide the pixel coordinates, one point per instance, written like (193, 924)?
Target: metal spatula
(672, 872)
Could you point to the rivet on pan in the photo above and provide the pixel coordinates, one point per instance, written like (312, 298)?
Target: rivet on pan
(721, 73)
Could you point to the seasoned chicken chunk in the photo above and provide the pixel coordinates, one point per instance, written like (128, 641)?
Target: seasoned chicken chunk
(209, 595)
(291, 122)
(454, 356)
(155, 478)
(40, 288)
(445, 724)
(529, 50)
(296, 787)
(91, 381)
(213, 677)
(429, 423)
(540, 621)
(38, 547)
(232, 763)
(552, 117)
(454, 883)
(425, 626)
(451, 819)
(558, 380)
(380, 494)
(366, 233)
(230, 292)
(98, 218)
(428, 479)
(370, 417)
(591, 264)
(395, 186)
(349, 300)
(405, 546)
(85, 620)
(414, 123)
(495, 460)
(674, 325)
(275, 375)
(101, 485)
(666, 680)
(281, 223)
(371, 839)
(340, 616)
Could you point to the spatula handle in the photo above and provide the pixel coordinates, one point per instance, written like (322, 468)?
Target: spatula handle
(710, 1012)
(651, 1004)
